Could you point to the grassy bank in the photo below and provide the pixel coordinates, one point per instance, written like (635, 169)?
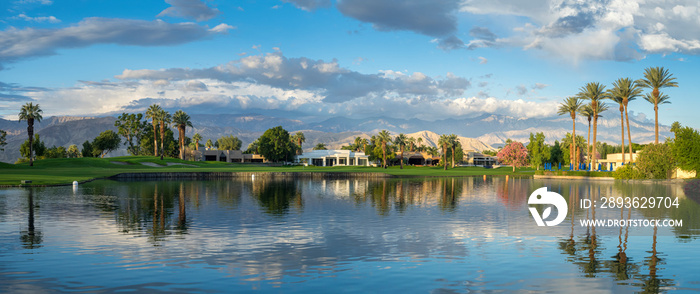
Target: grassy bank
(67, 170)
(594, 174)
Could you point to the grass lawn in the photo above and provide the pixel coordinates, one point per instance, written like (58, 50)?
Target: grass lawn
(67, 170)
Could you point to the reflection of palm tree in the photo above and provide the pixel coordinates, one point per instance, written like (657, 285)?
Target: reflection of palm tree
(31, 238)
(275, 196)
(182, 216)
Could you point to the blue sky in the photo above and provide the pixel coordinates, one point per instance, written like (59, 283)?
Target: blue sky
(362, 58)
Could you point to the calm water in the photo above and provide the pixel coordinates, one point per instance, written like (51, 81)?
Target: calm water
(436, 235)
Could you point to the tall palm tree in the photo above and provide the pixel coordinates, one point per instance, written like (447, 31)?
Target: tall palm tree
(419, 141)
(384, 137)
(401, 141)
(571, 106)
(593, 92)
(628, 90)
(657, 78)
(444, 141)
(299, 139)
(181, 120)
(661, 98)
(196, 138)
(163, 118)
(587, 112)
(30, 112)
(152, 113)
(363, 142)
(412, 143)
(454, 141)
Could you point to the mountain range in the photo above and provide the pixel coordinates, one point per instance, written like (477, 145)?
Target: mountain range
(476, 133)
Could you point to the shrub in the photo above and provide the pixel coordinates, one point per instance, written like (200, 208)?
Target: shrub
(627, 172)
(656, 161)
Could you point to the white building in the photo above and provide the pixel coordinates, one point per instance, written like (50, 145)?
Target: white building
(334, 157)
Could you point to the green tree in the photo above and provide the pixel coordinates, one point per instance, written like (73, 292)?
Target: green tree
(153, 113)
(556, 154)
(253, 148)
(444, 142)
(196, 138)
(164, 118)
(299, 139)
(571, 106)
(625, 90)
(209, 144)
(56, 152)
(567, 148)
(656, 78)
(131, 126)
(454, 143)
(35, 145)
(181, 121)
(73, 151)
(383, 139)
(320, 146)
(595, 92)
(656, 161)
(87, 149)
(30, 112)
(686, 148)
(169, 143)
(3, 140)
(105, 142)
(229, 143)
(538, 150)
(400, 141)
(276, 146)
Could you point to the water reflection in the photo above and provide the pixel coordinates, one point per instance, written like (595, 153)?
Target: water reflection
(32, 237)
(441, 234)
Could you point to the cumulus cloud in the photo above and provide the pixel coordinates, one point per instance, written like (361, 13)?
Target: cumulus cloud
(431, 18)
(309, 5)
(189, 9)
(50, 19)
(335, 83)
(602, 29)
(17, 44)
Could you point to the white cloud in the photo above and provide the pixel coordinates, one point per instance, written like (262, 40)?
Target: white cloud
(50, 19)
(17, 44)
(309, 5)
(483, 60)
(189, 9)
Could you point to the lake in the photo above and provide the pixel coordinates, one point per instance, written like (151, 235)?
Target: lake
(441, 235)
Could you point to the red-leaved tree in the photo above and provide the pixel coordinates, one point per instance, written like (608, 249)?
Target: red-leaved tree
(514, 154)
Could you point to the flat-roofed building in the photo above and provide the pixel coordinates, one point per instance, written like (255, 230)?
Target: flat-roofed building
(419, 158)
(334, 158)
(479, 159)
(616, 160)
(231, 156)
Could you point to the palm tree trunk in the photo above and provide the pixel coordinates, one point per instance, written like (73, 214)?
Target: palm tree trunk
(181, 131)
(622, 124)
(629, 135)
(155, 139)
(30, 132)
(656, 123)
(588, 143)
(453, 156)
(401, 160)
(162, 138)
(444, 155)
(384, 154)
(595, 134)
(575, 159)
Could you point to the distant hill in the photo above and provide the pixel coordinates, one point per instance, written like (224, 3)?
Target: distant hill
(478, 133)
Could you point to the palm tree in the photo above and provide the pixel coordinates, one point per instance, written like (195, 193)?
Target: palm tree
(163, 118)
(661, 98)
(419, 141)
(412, 143)
(152, 113)
(196, 138)
(401, 141)
(454, 141)
(657, 78)
(299, 139)
(628, 90)
(30, 112)
(571, 106)
(320, 146)
(444, 141)
(181, 120)
(587, 111)
(625, 90)
(594, 92)
(384, 137)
